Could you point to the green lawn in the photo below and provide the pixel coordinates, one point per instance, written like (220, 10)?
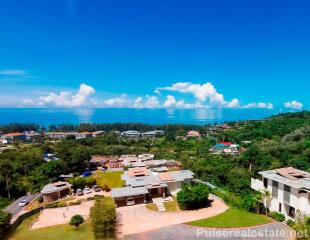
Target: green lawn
(58, 232)
(112, 179)
(232, 218)
(172, 206)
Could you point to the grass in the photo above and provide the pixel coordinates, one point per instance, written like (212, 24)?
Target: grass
(58, 232)
(232, 218)
(172, 206)
(112, 179)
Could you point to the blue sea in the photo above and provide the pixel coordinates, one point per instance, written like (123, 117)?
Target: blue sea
(48, 116)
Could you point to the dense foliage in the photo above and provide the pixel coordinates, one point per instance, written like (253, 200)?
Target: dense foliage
(4, 224)
(104, 219)
(193, 196)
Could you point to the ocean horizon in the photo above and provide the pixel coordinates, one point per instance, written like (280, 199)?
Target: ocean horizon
(48, 116)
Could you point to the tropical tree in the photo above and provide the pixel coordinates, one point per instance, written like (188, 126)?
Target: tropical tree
(76, 220)
(257, 201)
(266, 196)
(6, 172)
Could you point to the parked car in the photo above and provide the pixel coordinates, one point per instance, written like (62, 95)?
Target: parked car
(97, 188)
(87, 190)
(79, 192)
(130, 201)
(23, 203)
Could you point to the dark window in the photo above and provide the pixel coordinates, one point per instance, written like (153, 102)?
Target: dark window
(291, 212)
(265, 182)
(287, 188)
(275, 186)
(280, 207)
(287, 194)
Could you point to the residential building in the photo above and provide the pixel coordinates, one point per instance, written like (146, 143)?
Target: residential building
(289, 188)
(59, 135)
(82, 135)
(153, 134)
(151, 183)
(97, 133)
(54, 191)
(131, 134)
(146, 157)
(193, 134)
(13, 137)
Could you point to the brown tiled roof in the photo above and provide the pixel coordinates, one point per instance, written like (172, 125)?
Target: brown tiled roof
(138, 171)
(15, 134)
(85, 133)
(165, 176)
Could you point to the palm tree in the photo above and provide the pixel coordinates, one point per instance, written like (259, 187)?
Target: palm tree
(266, 196)
(257, 200)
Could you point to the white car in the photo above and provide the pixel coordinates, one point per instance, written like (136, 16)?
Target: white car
(87, 190)
(23, 203)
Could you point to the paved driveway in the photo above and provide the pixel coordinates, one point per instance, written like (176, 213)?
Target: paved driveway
(138, 218)
(273, 231)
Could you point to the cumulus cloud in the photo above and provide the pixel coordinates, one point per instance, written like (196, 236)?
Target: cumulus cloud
(171, 102)
(293, 105)
(202, 92)
(120, 101)
(67, 98)
(259, 105)
(151, 102)
(235, 103)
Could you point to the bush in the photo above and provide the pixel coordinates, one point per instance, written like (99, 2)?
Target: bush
(82, 182)
(277, 216)
(4, 223)
(290, 223)
(76, 220)
(104, 219)
(193, 196)
(106, 188)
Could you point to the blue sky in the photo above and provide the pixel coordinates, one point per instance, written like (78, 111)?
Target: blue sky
(173, 54)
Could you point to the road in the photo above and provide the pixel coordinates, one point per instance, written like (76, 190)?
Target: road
(14, 209)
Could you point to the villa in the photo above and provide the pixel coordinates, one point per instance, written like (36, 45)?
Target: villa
(82, 135)
(54, 191)
(289, 188)
(225, 148)
(149, 184)
(13, 137)
(193, 134)
(131, 134)
(153, 134)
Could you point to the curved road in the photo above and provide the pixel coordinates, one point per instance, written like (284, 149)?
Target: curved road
(272, 231)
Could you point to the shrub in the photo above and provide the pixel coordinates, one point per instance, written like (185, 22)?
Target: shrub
(76, 220)
(4, 223)
(106, 188)
(290, 223)
(277, 216)
(193, 196)
(104, 219)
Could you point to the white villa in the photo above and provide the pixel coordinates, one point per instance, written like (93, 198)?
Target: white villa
(289, 188)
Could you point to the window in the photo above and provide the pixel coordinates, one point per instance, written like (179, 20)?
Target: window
(287, 194)
(291, 212)
(280, 207)
(265, 182)
(275, 186)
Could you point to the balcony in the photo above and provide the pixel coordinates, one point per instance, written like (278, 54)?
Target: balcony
(257, 184)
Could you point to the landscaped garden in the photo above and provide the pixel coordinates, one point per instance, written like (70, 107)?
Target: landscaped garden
(83, 232)
(232, 218)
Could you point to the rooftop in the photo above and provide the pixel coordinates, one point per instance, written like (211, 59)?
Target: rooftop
(128, 191)
(289, 176)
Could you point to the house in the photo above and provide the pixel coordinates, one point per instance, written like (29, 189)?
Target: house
(97, 133)
(146, 157)
(33, 136)
(289, 188)
(128, 159)
(193, 134)
(59, 135)
(54, 191)
(131, 134)
(157, 184)
(82, 135)
(13, 137)
(153, 134)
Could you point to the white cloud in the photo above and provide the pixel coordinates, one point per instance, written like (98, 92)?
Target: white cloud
(138, 103)
(259, 105)
(170, 102)
(202, 92)
(151, 102)
(68, 99)
(15, 73)
(233, 103)
(293, 105)
(121, 101)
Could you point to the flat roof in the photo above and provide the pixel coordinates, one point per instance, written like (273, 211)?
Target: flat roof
(128, 191)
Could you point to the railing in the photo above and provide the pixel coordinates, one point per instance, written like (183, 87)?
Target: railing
(257, 184)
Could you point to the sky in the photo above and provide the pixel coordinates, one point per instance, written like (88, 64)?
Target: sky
(155, 54)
